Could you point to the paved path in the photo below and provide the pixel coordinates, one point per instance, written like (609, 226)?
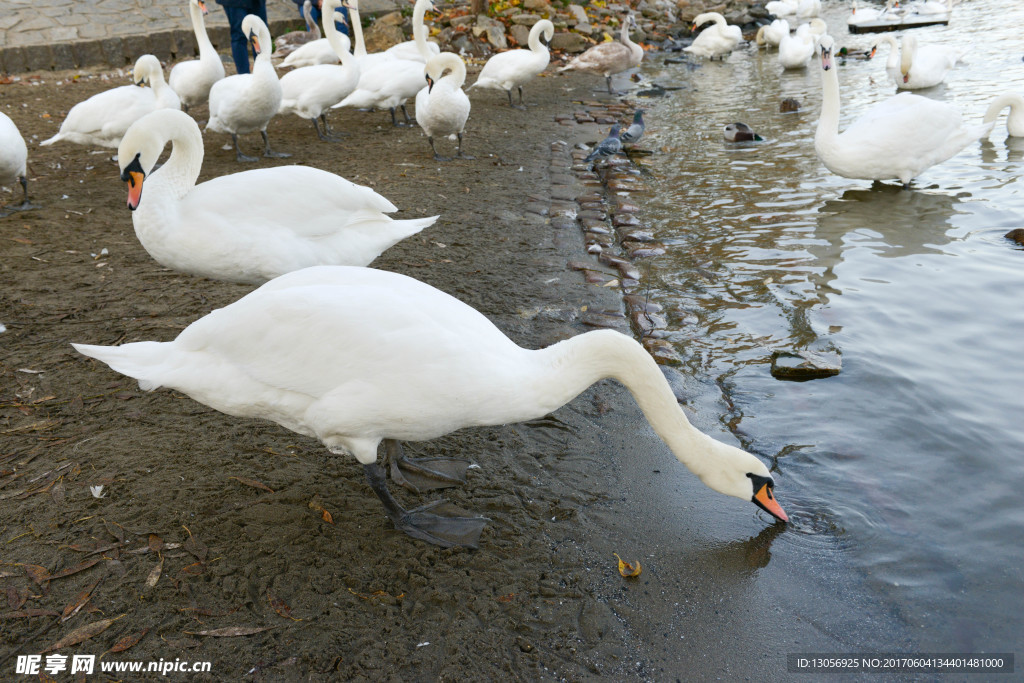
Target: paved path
(44, 35)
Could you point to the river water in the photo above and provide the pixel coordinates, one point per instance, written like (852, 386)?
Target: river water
(911, 461)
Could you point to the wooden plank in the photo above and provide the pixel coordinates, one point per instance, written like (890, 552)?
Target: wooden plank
(882, 26)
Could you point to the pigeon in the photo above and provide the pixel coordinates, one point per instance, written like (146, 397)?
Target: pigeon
(635, 130)
(608, 147)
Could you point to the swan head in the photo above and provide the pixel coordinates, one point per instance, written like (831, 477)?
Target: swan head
(145, 67)
(200, 5)
(827, 44)
(255, 30)
(140, 148)
(741, 475)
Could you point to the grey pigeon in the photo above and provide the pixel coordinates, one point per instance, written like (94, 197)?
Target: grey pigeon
(635, 130)
(608, 147)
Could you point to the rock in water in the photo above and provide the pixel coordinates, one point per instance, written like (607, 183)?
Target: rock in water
(800, 366)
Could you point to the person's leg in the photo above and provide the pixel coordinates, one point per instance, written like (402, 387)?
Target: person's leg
(239, 41)
(343, 28)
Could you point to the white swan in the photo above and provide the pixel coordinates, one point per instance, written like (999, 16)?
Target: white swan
(717, 40)
(609, 58)
(356, 356)
(386, 82)
(13, 161)
(442, 107)
(898, 138)
(102, 119)
(931, 9)
(412, 49)
(250, 226)
(513, 68)
(310, 91)
(913, 67)
(293, 40)
(1014, 120)
(193, 79)
(865, 15)
(318, 51)
(796, 50)
(782, 8)
(774, 32)
(245, 103)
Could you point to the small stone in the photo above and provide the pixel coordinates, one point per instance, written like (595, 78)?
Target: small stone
(1017, 235)
(569, 42)
(800, 366)
(662, 351)
(525, 19)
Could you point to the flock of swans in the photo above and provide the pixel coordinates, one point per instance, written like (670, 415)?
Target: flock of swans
(898, 138)
(355, 357)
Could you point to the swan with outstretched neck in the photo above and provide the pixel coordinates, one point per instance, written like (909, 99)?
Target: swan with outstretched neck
(514, 68)
(193, 79)
(250, 226)
(900, 137)
(610, 58)
(356, 356)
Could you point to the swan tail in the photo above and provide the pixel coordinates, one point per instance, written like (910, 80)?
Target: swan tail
(56, 138)
(139, 360)
(411, 226)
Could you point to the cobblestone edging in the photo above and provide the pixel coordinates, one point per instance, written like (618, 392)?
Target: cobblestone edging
(121, 51)
(599, 200)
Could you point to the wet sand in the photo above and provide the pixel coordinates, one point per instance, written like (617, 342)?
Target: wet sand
(209, 522)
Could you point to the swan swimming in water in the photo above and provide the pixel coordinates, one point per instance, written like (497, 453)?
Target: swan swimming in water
(250, 226)
(915, 67)
(717, 40)
(900, 137)
(356, 356)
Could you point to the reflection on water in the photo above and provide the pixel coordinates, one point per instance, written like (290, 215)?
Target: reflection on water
(910, 462)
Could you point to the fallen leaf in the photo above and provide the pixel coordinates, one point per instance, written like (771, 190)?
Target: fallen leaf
(75, 605)
(194, 545)
(156, 544)
(16, 597)
(626, 569)
(280, 606)
(154, 575)
(82, 634)
(194, 569)
(506, 598)
(128, 641)
(77, 568)
(28, 613)
(253, 483)
(326, 516)
(231, 631)
(37, 573)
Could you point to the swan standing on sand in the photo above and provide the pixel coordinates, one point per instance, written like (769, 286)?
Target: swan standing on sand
(13, 162)
(245, 103)
(442, 107)
(513, 68)
(293, 40)
(1014, 120)
(386, 82)
(413, 49)
(914, 67)
(898, 138)
(355, 357)
(310, 91)
(717, 40)
(193, 79)
(102, 119)
(250, 226)
(610, 58)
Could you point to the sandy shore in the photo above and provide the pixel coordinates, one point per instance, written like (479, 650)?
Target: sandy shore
(353, 599)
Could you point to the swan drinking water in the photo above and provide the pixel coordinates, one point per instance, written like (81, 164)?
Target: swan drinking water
(1014, 120)
(250, 226)
(355, 357)
(900, 137)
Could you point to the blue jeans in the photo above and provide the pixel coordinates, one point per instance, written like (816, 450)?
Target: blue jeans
(240, 41)
(317, 18)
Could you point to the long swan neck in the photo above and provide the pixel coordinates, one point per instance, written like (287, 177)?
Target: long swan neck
(452, 61)
(578, 362)
(419, 29)
(907, 51)
(1014, 102)
(199, 28)
(359, 49)
(262, 61)
(828, 123)
(534, 40)
(182, 167)
(333, 37)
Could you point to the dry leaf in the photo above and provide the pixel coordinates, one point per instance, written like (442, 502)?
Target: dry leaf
(253, 483)
(128, 641)
(28, 613)
(37, 573)
(79, 602)
(280, 606)
(231, 631)
(77, 568)
(82, 634)
(16, 597)
(154, 575)
(326, 516)
(156, 544)
(195, 546)
(626, 569)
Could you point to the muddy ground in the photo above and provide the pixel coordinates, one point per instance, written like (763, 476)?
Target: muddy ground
(208, 522)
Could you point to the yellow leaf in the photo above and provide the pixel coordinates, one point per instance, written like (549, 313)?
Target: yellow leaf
(626, 569)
